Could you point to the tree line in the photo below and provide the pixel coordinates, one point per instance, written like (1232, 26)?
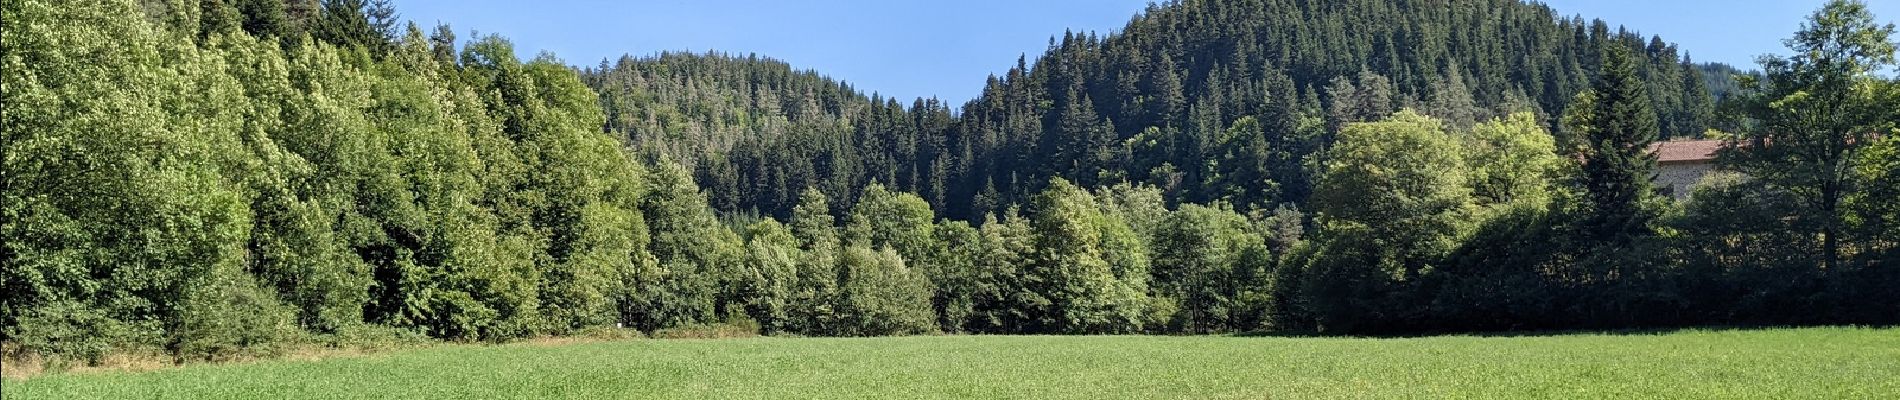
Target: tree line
(207, 189)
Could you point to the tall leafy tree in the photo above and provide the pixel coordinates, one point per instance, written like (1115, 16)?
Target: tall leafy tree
(1002, 300)
(766, 283)
(1816, 110)
(900, 221)
(1206, 259)
(1513, 160)
(1390, 206)
(694, 252)
(813, 307)
(957, 275)
(110, 241)
(879, 295)
(1089, 266)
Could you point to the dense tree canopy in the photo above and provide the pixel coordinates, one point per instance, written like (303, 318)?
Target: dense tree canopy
(1207, 99)
(241, 177)
(1817, 110)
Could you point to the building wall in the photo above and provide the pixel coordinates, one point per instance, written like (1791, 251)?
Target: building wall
(1676, 179)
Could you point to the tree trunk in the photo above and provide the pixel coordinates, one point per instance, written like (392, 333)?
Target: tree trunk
(1830, 230)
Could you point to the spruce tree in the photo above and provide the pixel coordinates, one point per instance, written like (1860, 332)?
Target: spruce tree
(1616, 127)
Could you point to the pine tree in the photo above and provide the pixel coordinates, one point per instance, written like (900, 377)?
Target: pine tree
(1616, 127)
(442, 44)
(1451, 101)
(267, 18)
(369, 24)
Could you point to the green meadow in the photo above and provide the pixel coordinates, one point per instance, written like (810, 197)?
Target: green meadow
(1834, 363)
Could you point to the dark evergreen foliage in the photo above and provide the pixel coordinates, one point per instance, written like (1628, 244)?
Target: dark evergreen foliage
(1209, 100)
(1616, 127)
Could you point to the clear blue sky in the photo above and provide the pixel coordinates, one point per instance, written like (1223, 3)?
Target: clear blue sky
(907, 48)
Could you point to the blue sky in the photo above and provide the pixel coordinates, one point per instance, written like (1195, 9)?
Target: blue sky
(907, 48)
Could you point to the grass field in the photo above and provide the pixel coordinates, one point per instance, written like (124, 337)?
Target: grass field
(1833, 363)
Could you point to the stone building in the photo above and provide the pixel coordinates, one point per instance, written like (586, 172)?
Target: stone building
(1682, 163)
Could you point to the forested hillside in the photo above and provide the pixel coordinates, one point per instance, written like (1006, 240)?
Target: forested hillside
(209, 179)
(1208, 100)
(757, 132)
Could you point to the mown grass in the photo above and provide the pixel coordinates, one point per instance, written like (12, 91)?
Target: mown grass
(1834, 363)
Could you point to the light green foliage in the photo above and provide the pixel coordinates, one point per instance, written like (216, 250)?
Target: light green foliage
(295, 241)
(813, 303)
(244, 193)
(1877, 207)
(1402, 179)
(882, 296)
(423, 228)
(1391, 203)
(118, 202)
(1740, 364)
(903, 222)
(1143, 206)
(1512, 160)
(899, 221)
(584, 194)
(767, 283)
(1003, 301)
(1091, 268)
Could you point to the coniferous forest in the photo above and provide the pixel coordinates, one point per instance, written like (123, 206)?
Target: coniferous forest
(218, 178)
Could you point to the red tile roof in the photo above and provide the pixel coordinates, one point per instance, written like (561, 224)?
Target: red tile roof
(1685, 151)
